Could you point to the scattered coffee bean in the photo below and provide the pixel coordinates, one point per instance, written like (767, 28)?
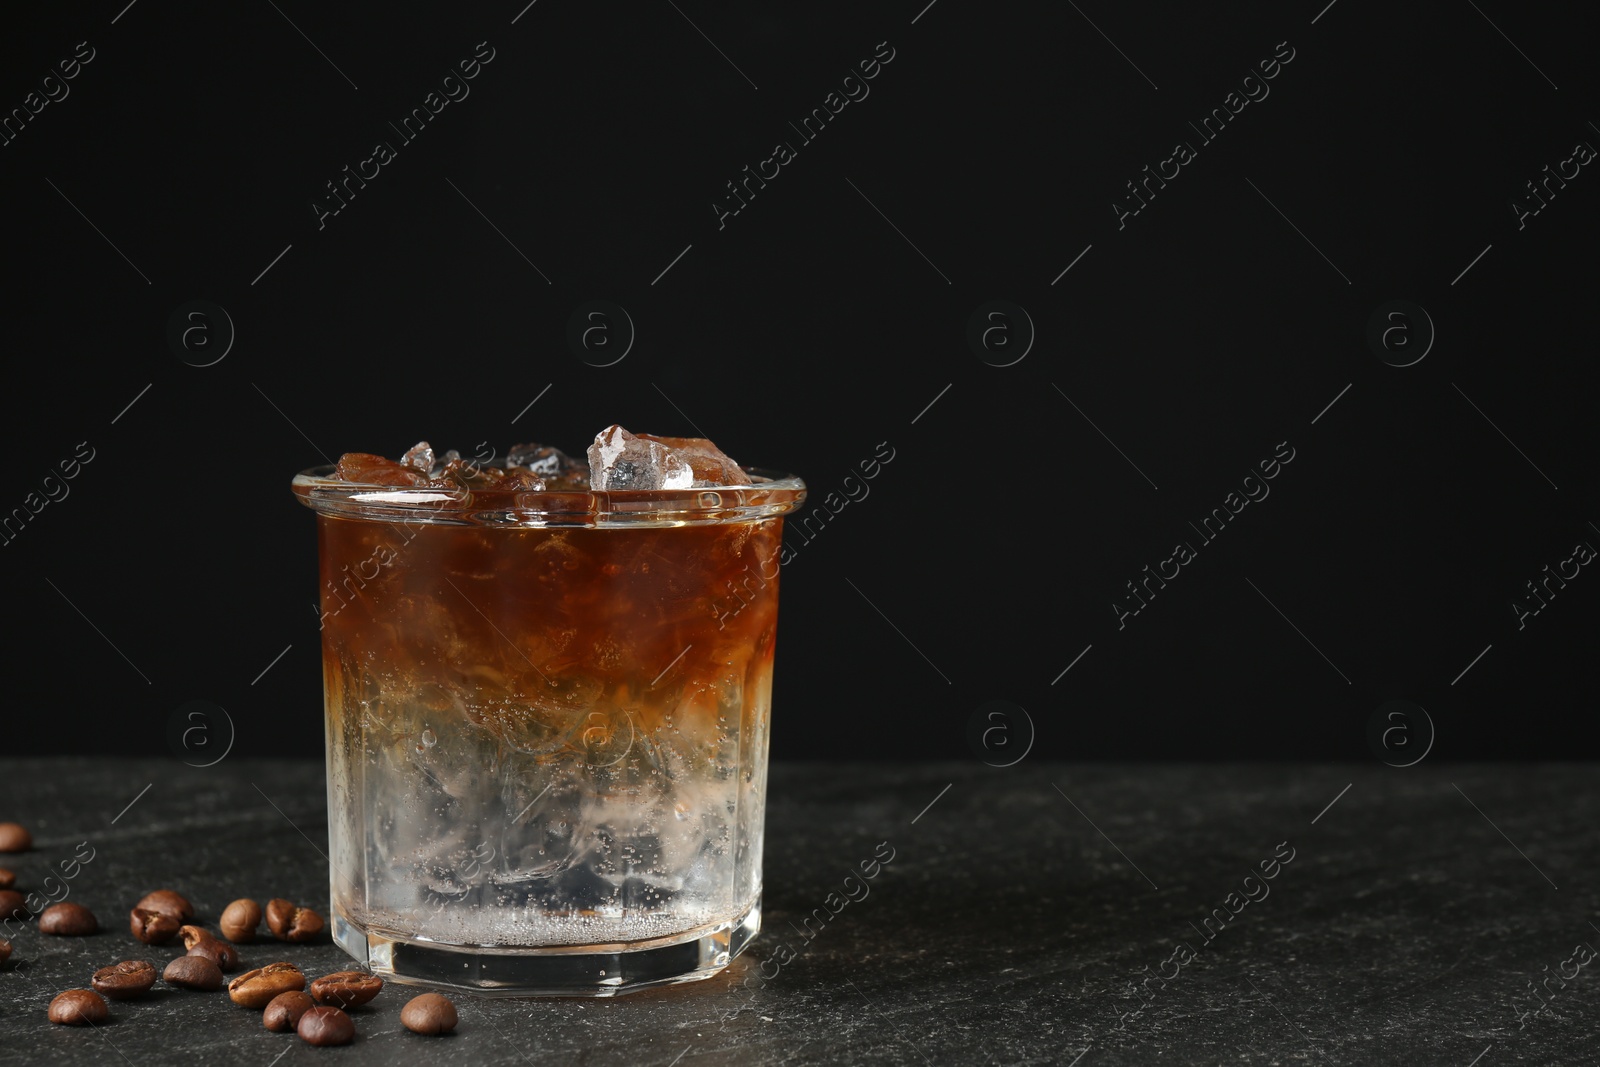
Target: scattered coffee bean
(239, 921)
(67, 920)
(14, 838)
(13, 905)
(8, 878)
(193, 972)
(5, 950)
(125, 980)
(224, 955)
(325, 1026)
(290, 922)
(255, 989)
(152, 927)
(346, 989)
(284, 1011)
(429, 1014)
(166, 902)
(78, 1007)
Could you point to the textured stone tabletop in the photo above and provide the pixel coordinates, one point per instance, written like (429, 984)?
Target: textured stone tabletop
(1037, 914)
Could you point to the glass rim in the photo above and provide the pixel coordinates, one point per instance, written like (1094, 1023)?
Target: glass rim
(769, 494)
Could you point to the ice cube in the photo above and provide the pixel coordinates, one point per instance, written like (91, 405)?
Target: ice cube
(419, 457)
(621, 460)
(543, 460)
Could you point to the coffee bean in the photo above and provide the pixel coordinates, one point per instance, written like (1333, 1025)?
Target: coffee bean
(67, 920)
(193, 972)
(224, 955)
(346, 989)
(125, 980)
(290, 922)
(152, 927)
(255, 989)
(13, 905)
(5, 950)
(325, 1026)
(8, 878)
(78, 1007)
(429, 1014)
(14, 838)
(166, 902)
(284, 1011)
(239, 921)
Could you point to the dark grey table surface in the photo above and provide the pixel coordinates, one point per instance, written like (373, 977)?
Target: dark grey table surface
(1030, 915)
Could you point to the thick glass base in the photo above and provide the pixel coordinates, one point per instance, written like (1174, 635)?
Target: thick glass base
(555, 971)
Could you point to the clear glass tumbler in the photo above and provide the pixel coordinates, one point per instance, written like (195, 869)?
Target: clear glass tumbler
(547, 722)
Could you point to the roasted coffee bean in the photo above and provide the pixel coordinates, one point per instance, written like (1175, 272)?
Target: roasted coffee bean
(5, 950)
(239, 921)
(78, 1007)
(193, 972)
(152, 927)
(8, 878)
(325, 1026)
(290, 922)
(14, 838)
(125, 980)
(13, 905)
(429, 1014)
(284, 1011)
(67, 920)
(255, 989)
(346, 989)
(224, 955)
(167, 902)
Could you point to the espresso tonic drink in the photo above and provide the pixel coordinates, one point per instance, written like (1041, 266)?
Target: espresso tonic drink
(547, 690)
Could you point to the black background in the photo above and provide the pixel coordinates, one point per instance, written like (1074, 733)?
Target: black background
(807, 330)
